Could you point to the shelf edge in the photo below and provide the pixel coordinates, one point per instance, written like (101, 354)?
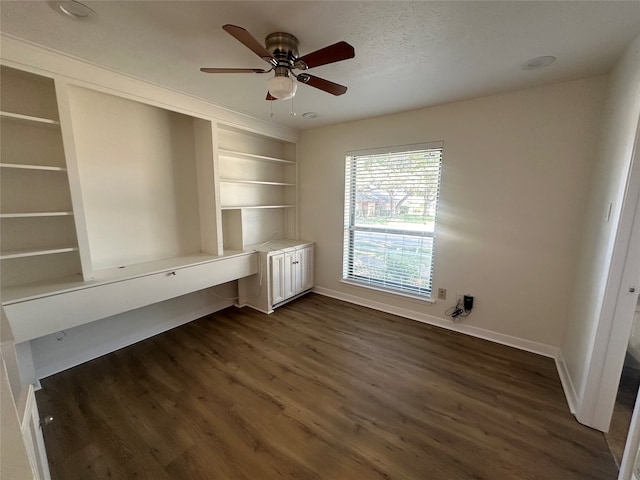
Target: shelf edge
(22, 166)
(9, 254)
(35, 214)
(252, 156)
(28, 118)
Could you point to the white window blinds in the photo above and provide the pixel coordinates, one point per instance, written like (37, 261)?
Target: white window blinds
(391, 200)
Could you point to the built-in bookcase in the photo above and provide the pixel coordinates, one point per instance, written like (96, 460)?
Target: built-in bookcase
(257, 187)
(37, 232)
(98, 185)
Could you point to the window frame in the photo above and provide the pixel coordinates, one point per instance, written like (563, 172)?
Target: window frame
(350, 227)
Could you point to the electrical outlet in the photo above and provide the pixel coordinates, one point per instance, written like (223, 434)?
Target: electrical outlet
(442, 293)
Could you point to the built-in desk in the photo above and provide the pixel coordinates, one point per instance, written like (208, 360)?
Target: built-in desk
(41, 309)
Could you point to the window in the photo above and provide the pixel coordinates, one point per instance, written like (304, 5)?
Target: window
(391, 200)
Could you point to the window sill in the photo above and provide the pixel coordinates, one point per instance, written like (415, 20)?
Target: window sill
(393, 293)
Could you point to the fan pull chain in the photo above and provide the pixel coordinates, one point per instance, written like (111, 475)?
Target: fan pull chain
(271, 108)
(293, 112)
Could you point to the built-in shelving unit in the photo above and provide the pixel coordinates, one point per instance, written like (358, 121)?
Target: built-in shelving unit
(258, 194)
(38, 241)
(112, 201)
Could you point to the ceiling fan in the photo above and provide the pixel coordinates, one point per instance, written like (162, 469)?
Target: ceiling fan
(281, 52)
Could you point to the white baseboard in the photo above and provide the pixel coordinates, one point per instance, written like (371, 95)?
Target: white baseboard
(511, 341)
(516, 342)
(567, 384)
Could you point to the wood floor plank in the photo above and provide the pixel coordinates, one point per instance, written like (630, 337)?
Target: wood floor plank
(320, 389)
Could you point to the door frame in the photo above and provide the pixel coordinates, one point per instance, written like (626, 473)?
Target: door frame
(616, 316)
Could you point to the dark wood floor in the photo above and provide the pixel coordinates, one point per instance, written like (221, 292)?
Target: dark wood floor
(321, 389)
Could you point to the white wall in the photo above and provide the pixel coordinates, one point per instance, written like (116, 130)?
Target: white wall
(606, 191)
(137, 170)
(514, 184)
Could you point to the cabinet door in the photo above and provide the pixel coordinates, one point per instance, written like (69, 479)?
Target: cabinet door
(277, 278)
(33, 440)
(305, 268)
(290, 274)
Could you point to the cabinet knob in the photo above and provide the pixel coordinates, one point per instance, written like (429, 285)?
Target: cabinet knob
(172, 274)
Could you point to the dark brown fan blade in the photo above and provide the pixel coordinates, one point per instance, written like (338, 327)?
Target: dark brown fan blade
(249, 41)
(233, 70)
(333, 53)
(322, 84)
(270, 97)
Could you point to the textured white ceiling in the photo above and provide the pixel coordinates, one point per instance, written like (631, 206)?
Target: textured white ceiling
(408, 54)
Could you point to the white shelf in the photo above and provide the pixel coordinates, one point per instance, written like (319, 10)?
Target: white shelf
(257, 182)
(251, 156)
(35, 214)
(32, 167)
(244, 207)
(28, 119)
(35, 252)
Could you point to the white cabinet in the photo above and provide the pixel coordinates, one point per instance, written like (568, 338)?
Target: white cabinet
(296, 275)
(285, 271)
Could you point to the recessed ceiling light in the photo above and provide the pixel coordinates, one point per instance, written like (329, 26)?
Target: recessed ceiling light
(538, 62)
(73, 9)
(310, 115)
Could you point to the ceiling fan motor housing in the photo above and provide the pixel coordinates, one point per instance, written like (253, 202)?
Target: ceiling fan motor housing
(284, 48)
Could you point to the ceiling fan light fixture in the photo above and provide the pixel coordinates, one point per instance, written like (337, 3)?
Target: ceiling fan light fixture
(281, 53)
(282, 87)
